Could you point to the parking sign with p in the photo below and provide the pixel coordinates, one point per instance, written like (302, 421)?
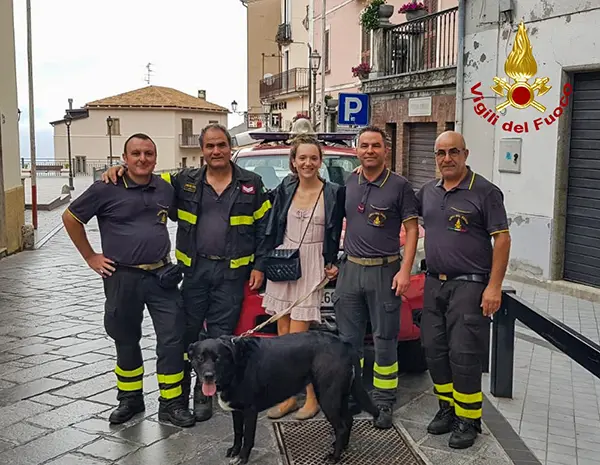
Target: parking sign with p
(353, 109)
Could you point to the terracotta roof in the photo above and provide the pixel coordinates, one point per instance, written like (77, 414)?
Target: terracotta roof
(156, 97)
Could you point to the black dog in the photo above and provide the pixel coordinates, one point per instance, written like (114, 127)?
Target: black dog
(251, 374)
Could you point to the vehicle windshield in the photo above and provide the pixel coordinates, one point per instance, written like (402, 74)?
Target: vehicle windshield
(274, 168)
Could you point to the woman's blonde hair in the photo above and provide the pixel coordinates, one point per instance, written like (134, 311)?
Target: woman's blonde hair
(299, 140)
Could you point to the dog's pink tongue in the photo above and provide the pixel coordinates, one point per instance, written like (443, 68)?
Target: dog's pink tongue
(209, 389)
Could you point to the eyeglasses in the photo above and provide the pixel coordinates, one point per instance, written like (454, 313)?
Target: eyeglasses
(452, 152)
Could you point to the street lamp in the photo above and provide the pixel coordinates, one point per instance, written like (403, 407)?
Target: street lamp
(234, 106)
(68, 120)
(109, 124)
(314, 63)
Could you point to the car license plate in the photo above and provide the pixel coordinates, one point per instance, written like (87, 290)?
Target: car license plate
(327, 300)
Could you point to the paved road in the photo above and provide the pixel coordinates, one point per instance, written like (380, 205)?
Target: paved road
(57, 384)
(57, 381)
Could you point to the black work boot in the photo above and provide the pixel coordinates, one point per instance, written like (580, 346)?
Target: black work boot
(464, 432)
(443, 420)
(177, 413)
(203, 406)
(384, 420)
(126, 410)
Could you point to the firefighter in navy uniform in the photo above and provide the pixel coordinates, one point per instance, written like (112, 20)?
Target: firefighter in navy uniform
(222, 212)
(137, 271)
(461, 213)
(373, 275)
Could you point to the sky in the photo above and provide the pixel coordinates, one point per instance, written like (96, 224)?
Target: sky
(91, 49)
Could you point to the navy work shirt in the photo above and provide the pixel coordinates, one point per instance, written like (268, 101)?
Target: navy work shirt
(213, 222)
(375, 212)
(459, 224)
(132, 218)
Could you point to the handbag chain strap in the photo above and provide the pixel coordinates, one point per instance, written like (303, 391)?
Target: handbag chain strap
(311, 215)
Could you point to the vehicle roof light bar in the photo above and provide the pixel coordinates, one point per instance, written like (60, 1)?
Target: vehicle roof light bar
(284, 136)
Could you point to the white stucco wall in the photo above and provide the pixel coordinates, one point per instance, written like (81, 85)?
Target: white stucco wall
(563, 36)
(89, 138)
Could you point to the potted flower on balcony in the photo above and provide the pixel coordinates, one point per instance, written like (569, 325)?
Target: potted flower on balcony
(361, 71)
(413, 10)
(374, 12)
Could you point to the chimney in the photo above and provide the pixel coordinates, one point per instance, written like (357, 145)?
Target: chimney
(70, 104)
(202, 94)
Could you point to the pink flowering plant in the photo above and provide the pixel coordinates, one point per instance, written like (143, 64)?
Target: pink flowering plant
(412, 6)
(361, 70)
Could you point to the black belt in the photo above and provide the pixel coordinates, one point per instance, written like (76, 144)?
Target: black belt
(216, 258)
(150, 266)
(477, 278)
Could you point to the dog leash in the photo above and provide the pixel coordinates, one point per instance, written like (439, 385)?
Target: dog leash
(277, 316)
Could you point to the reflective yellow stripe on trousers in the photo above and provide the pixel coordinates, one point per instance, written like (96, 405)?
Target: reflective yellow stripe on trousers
(468, 405)
(170, 385)
(129, 380)
(385, 376)
(444, 392)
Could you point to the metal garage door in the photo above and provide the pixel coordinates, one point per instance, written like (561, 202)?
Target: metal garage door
(582, 241)
(421, 161)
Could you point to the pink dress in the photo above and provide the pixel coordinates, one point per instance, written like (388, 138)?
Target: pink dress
(280, 295)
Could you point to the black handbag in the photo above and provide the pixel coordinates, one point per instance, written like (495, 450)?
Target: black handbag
(284, 264)
(169, 276)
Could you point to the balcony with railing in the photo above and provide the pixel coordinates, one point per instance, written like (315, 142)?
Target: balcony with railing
(423, 44)
(284, 34)
(292, 81)
(416, 52)
(189, 141)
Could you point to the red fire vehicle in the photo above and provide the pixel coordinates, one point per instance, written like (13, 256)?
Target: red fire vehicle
(270, 158)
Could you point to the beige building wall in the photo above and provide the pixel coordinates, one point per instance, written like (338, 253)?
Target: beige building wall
(264, 17)
(294, 107)
(89, 136)
(293, 56)
(298, 50)
(193, 155)
(14, 196)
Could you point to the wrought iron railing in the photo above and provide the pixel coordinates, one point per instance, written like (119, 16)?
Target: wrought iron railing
(284, 34)
(189, 140)
(294, 80)
(423, 44)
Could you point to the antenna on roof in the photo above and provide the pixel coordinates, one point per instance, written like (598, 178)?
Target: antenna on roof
(148, 74)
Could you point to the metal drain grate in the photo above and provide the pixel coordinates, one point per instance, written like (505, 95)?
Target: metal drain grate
(307, 442)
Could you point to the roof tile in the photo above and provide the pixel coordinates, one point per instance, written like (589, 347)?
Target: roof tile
(156, 97)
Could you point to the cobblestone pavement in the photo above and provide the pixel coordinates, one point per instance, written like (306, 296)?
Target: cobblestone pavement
(555, 406)
(57, 384)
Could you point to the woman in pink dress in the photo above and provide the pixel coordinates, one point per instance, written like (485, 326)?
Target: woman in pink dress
(304, 205)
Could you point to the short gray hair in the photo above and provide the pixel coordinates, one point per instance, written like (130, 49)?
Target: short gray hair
(218, 127)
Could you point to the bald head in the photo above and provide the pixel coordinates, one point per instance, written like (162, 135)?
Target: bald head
(450, 139)
(451, 155)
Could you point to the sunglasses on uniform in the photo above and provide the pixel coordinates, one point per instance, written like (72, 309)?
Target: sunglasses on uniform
(453, 152)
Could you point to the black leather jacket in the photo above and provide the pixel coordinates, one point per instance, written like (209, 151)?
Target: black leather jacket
(281, 197)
